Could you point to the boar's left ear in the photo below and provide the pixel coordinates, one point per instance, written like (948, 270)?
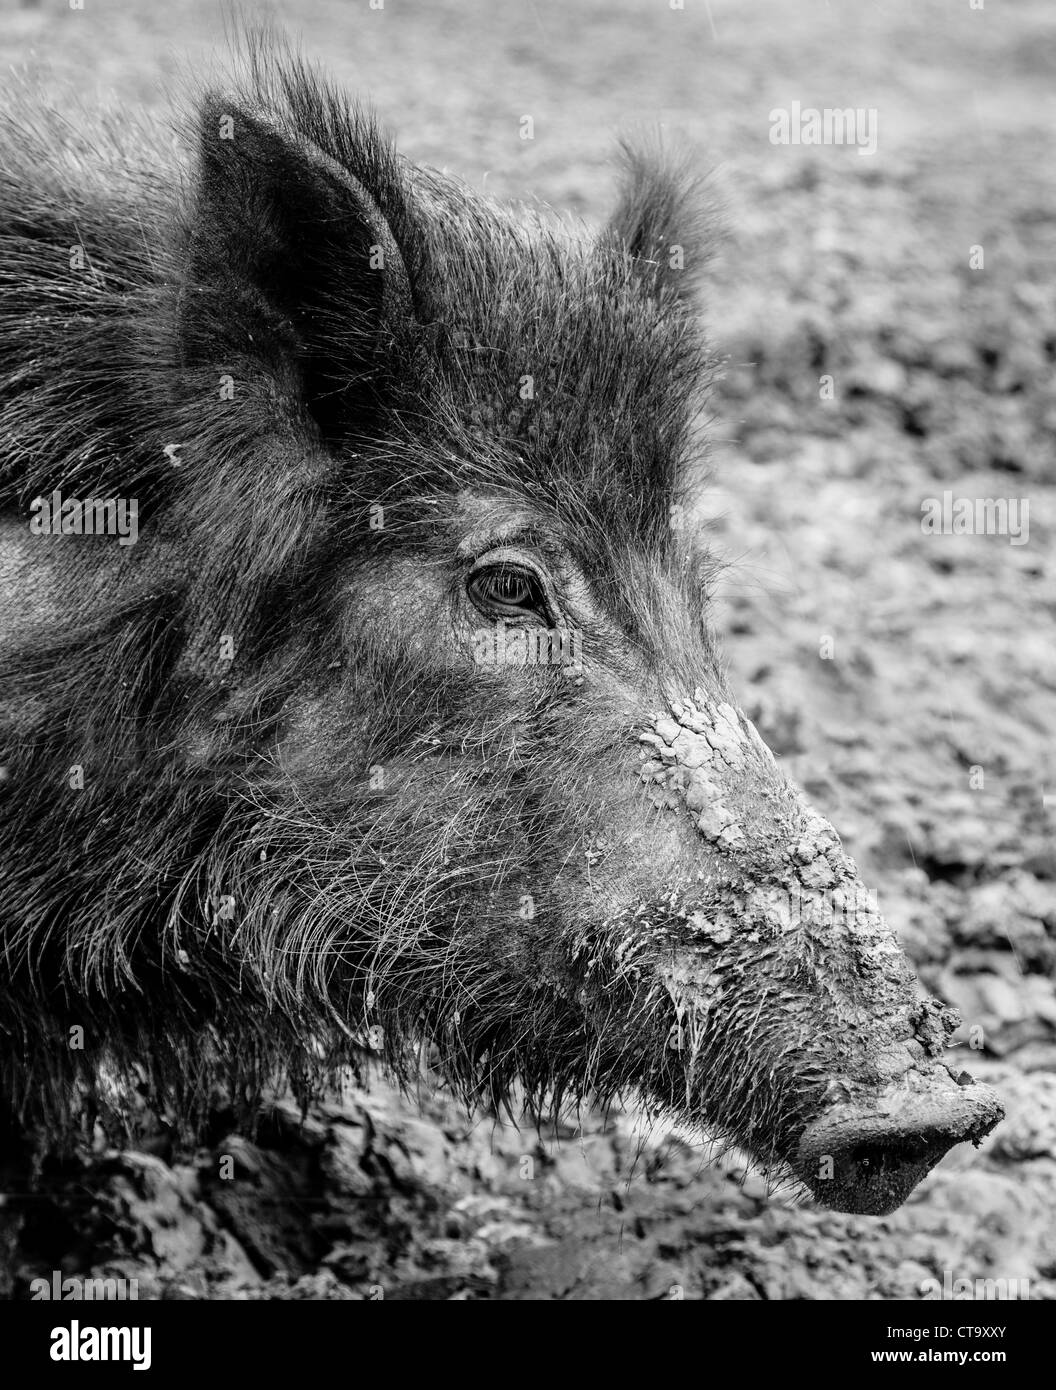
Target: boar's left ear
(291, 262)
(662, 217)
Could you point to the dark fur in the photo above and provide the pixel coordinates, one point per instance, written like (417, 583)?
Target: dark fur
(346, 398)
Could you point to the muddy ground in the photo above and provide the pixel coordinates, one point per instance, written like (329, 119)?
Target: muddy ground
(907, 679)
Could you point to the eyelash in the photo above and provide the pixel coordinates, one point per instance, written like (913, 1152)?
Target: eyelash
(528, 593)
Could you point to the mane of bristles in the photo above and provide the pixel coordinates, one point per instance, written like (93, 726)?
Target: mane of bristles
(114, 925)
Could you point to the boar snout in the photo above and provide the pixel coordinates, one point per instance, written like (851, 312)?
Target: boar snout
(867, 1158)
(835, 1062)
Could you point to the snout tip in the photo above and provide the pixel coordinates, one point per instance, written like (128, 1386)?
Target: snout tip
(868, 1156)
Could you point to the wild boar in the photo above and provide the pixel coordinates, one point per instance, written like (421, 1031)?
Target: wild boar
(400, 720)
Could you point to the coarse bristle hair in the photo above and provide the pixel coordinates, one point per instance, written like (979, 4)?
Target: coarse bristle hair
(111, 338)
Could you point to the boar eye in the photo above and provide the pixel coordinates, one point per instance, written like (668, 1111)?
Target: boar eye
(506, 591)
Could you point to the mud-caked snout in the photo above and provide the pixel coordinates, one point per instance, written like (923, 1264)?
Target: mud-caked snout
(797, 1017)
(867, 1156)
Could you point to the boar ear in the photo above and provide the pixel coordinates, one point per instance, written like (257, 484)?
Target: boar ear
(662, 217)
(291, 263)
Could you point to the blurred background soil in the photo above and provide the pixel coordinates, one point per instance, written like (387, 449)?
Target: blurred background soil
(907, 680)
